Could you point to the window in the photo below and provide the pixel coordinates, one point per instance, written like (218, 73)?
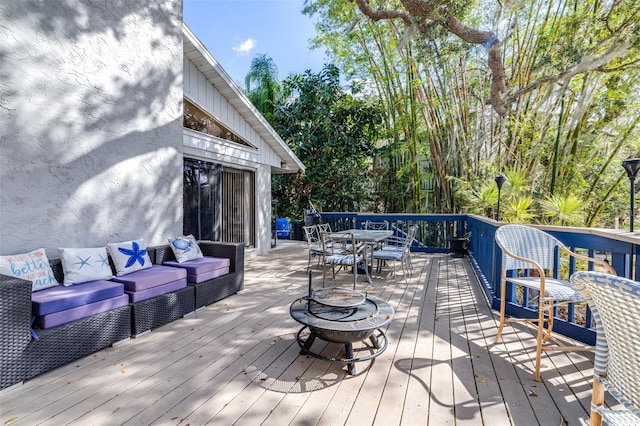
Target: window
(199, 120)
(237, 206)
(218, 202)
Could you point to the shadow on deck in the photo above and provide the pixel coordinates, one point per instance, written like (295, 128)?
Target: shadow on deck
(237, 362)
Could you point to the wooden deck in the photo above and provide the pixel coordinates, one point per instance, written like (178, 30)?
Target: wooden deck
(237, 362)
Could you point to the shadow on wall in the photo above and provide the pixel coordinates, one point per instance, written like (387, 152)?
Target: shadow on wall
(92, 123)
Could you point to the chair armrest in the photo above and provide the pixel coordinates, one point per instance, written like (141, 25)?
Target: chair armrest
(15, 328)
(609, 268)
(535, 265)
(394, 241)
(232, 251)
(15, 305)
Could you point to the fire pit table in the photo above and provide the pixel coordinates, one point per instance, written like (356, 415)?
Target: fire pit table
(342, 316)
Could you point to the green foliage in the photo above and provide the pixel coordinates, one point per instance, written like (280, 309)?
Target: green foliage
(333, 133)
(481, 201)
(262, 85)
(518, 210)
(572, 86)
(563, 211)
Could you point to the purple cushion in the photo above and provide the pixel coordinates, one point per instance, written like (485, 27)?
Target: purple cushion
(204, 268)
(60, 298)
(155, 276)
(200, 278)
(84, 311)
(137, 296)
(201, 265)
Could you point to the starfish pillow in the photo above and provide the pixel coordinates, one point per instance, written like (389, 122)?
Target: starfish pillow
(81, 265)
(129, 256)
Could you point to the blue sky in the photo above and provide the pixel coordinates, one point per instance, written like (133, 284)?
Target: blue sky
(235, 31)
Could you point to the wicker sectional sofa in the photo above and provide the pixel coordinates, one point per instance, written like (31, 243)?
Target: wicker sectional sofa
(211, 290)
(27, 352)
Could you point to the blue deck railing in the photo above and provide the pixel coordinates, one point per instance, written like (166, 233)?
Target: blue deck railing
(434, 236)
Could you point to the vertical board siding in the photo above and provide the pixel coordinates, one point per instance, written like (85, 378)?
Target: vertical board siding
(199, 89)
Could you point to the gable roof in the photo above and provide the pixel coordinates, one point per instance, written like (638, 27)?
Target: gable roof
(218, 77)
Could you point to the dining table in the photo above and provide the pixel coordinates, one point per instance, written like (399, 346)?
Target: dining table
(370, 237)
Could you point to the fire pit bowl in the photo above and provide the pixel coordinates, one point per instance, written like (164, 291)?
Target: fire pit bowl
(329, 316)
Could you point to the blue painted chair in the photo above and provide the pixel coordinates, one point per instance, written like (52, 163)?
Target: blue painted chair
(615, 305)
(529, 257)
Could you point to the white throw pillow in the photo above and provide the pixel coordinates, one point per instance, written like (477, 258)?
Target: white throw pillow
(185, 248)
(33, 266)
(129, 256)
(81, 265)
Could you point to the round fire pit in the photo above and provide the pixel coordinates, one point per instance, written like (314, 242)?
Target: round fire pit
(342, 316)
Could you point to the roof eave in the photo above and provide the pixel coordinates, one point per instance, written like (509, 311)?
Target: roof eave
(228, 88)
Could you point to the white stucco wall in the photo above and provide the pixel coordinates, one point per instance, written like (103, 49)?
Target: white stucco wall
(91, 119)
(263, 210)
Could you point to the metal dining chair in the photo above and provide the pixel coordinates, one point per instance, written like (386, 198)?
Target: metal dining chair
(396, 242)
(615, 306)
(529, 257)
(398, 254)
(333, 253)
(382, 225)
(314, 245)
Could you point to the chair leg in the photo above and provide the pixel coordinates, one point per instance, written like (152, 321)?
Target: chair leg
(539, 339)
(355, 274)
(549, 320)
(597, 399)
(503, 295)
(406, 266)
(324, 273)
(409, 260)
(405, 270)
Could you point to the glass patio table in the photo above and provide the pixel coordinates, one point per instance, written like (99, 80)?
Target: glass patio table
(367, 236)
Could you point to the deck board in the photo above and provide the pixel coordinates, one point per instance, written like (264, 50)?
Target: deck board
(237, 362)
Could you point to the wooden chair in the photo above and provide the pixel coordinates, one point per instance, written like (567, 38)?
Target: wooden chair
(615, 305)
(529, 255)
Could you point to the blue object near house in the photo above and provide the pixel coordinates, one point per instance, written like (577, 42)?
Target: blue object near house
(283, 227)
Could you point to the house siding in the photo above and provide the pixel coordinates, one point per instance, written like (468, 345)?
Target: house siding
(198, 89)
(258, 158)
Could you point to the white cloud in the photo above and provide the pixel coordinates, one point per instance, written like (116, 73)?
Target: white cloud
(245, 47)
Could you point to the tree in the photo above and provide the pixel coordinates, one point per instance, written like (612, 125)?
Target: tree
(262, 85)
(334, 135)
(570, 102)
(617, 47)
